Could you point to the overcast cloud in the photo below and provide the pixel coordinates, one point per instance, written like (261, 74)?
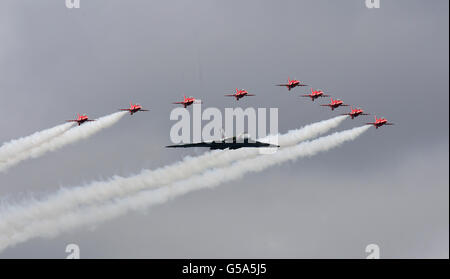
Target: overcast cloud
(389, 187)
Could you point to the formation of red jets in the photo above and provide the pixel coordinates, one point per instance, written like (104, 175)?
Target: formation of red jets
(335, 103)
(240, 93)
(84, 118)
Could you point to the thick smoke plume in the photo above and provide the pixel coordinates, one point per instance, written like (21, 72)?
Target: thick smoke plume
(16, 147)
(68, 199)
(11, 234)
(70, 136)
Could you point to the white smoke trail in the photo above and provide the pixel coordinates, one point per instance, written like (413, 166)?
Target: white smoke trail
(17, 146)
(73, 135)
(96, 192)
(10, 235)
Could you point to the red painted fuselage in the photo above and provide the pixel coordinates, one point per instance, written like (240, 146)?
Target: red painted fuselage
(315, 94)
(134, 108)
(380, 122)
(292, 84)
(355, 112)
(240, 93)
(80, 119)
(335, 104)
(187, 101)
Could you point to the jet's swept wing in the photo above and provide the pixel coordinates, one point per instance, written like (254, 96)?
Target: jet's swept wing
(224, 144)
(186, 145)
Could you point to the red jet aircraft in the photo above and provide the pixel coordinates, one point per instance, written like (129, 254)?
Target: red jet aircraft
(315, 94)
(355, 112)
(187, 101)
(380, 122)
(134, 108)
(334, 104)
(80, 119)
(291, 84)
(240, 94)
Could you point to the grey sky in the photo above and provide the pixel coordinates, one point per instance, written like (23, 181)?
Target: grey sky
(389, 187)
